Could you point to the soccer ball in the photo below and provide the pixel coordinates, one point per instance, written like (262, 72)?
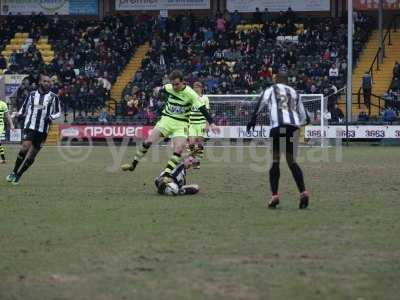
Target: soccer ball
(171, 189)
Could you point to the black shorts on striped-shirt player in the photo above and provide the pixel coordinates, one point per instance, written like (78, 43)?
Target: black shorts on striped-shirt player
(36, 137)
(283, 131)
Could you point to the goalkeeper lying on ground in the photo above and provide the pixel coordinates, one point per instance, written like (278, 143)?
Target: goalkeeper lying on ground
(174, 183)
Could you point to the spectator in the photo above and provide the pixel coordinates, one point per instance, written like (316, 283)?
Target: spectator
(266, 16)
(3, 62)
(389, 116)
(220, 24)
(290, 15)
(235, 19)
(103, 117)
(257, 16)
(396, 70)
(127, 90)
(363, 117)
(13, 58)
(332, 97)
(367, 88)
(265, 73)
(333, 72)
(67, 75)
(395, 85)
(337, 115)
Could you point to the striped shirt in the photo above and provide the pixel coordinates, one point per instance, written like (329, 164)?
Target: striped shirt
(3, 111)
(178, 175)
(179, 104)
(196, 117)
(284, 106)
(39, 110)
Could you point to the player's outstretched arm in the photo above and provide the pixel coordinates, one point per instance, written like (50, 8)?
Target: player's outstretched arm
(209, 119)
(10, 121)
(24, 107)
(55, 109)
(304, 117)
(260, 105)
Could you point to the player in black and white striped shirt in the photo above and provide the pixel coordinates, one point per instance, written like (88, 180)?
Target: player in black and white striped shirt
(39, 109)
(178, 179)
(286, 115)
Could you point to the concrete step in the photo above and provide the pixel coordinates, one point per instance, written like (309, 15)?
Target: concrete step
(130, 70)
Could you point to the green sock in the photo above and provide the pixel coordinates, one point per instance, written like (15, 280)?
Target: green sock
(2, 152)
(172, 163)
(141, 151)
(192, 149)
(200, 151)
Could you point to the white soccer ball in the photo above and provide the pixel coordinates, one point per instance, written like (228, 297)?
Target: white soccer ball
(172, 189)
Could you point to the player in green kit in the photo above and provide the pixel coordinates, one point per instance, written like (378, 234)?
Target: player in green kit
(3, 115)
(174, 122)
(198, 127)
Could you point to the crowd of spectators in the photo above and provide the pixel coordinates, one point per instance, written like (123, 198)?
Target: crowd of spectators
(230, 54)
(89, 55)
(243, 60)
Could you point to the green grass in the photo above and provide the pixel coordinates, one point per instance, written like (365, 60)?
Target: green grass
(73, 230)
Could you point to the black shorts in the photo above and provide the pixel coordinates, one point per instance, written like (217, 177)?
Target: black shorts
(36, 137)
(283, 133)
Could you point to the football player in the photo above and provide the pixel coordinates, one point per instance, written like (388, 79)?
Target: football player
(174, 183)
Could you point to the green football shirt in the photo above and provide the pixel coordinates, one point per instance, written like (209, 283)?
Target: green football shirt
(3, 111)
(180, 104)
(196, 117)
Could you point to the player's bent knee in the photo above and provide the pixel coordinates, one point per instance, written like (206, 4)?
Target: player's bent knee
(155, 136)
(179, 148)
(149, 141)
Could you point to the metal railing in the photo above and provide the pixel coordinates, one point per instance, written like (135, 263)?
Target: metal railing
(380, 105)
(342, 93)
(375, 62)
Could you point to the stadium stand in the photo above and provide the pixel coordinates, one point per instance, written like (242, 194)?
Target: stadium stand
(383, 76)
(229, 53)
(236, 56)
(392, 96)
(84, 60)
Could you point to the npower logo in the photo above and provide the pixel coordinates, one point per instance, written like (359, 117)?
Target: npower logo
(112, 131)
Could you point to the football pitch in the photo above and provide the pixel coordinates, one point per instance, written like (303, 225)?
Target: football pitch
(77, 229)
